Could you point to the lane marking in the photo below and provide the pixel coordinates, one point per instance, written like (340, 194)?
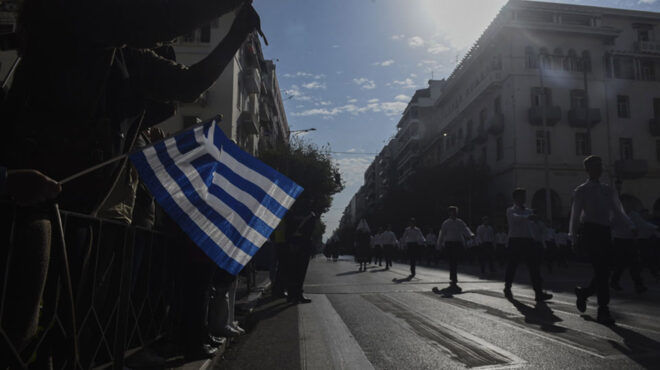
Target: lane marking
(321, 327)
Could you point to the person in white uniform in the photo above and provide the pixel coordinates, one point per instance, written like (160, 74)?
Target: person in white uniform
(414, 240)
(452, 237)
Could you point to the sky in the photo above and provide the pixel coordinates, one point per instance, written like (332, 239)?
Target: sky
(349, 67)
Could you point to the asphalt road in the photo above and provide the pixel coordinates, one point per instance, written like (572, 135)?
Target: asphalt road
(380, 320)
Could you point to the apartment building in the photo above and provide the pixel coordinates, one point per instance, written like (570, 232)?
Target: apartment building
(247, 93)
(572, 80)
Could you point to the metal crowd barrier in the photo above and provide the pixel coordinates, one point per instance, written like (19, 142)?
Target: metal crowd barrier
(109, 291)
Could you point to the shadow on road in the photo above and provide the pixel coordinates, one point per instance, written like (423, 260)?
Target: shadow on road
(541, 314)
(353, 272)
(381, 270)
(402, 280)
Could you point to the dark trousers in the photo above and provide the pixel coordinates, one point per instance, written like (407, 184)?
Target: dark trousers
(378, 254)
(597, 243)
(453, 252)
(523, 250)
(413, 255)
(388, 252)
(649, 253)
(196, 298)
(626, 255)
(486, 257)
(299, 258)
(283, 265)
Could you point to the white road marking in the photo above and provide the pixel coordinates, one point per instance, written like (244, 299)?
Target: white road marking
(321, 327)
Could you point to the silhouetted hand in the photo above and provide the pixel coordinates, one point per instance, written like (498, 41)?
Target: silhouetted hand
(30, 187)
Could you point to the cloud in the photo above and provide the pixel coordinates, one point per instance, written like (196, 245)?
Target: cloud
(335, 46)
(373, 101)
(295, 93)
(431, 66)
(352, 150)
(352, 168)
(365, 83)
(402, 97)
(314, 85)
(386, 63)
(437, 48)
(304, 75)
(398, 37)
(647, 1)
(408, 83)
(415, 41)
(352, 100)
(393, 108)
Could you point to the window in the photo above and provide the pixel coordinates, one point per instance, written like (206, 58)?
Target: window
(578, 99)
(546, 59)
(530, 58)
(497, 105)
(537, 96)
(643, 34)
(541, 140)
(535, 16)
(626, 148)
(582, 145)
(623, 106)
(576, 19)
(647, 69)
(205, 34)
(624, 67)
(585, 62)
(499, 148)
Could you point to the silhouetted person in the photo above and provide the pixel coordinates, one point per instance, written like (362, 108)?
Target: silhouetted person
(390, 244)
(362, 244)
(486, 237)
(301, 244)
(453, 234)
(522, 246)
(595, 206)
(414, 240)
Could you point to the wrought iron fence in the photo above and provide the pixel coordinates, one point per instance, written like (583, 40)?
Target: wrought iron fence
(109, 290)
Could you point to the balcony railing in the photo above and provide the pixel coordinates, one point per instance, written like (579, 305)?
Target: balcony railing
(552, 115)
(631, 169)
(495, 124)
(481, 137)
(652, 47)
(252, 81)
(654, 126)
(578, 117)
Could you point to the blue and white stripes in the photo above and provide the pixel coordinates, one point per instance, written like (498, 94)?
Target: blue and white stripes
(227, 201)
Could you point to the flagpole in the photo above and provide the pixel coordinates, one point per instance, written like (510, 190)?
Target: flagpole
(84, 172)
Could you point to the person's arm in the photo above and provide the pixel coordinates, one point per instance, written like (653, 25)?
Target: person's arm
(467, 233)
(161, 79)
(576, 213)
(441, 235)
(29, 187)
(142, 23)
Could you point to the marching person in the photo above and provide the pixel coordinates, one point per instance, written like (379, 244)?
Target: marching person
(500, 246)
(625, 255)
(452, 237)
(551, 252)
(430, 246)
(378, 247)
(414, 240)
(389, 242)
(595, 205)
(563, 250)
(362, 244)
(522, 246)
(486, 236)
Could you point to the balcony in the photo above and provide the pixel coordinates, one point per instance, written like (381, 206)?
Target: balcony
(252, 81)
(552, 115)
(654, 126)
(578, 117)
(650, 47)
(631, 169)
(495, 124)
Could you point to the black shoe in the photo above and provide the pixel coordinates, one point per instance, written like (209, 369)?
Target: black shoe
(604, 316)
(581, 302)
(639, 289)
(616, 286)
(303, 299)
(542, 297)
(454, 288)
(205, 351)
(216, 341)
(507, 293)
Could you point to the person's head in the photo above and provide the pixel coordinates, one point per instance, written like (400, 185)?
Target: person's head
(452, 211)
(485, 220)
(519, 196)
(593, 164)
(380, 229)
(412, 222)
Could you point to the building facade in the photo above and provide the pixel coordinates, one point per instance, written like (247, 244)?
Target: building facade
(246, 94)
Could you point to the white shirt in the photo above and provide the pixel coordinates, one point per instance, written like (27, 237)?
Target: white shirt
(412, 235)
(430, 239)
(538, 231)
(596, 203)
(388, 238)
(500, 238)
(454, 230)
(645, 229)
(485, 233)
(519, 223)
(377, 239)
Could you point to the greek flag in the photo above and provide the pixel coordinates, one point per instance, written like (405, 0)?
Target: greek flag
(227, 201)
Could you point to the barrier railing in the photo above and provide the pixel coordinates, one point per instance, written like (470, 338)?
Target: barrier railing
(110, 289)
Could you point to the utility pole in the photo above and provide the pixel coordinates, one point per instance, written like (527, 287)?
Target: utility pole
(546, 137)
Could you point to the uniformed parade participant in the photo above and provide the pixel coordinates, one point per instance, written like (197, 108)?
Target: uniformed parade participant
(430, 246)
(625, 255)
(452, 237)
(522, 246)
(390, 244)
(362, 244)
(486, 236)
(378, 247)
(414, 240)
(595, 206)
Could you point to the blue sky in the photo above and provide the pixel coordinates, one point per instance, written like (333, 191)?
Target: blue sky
(348, 67)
